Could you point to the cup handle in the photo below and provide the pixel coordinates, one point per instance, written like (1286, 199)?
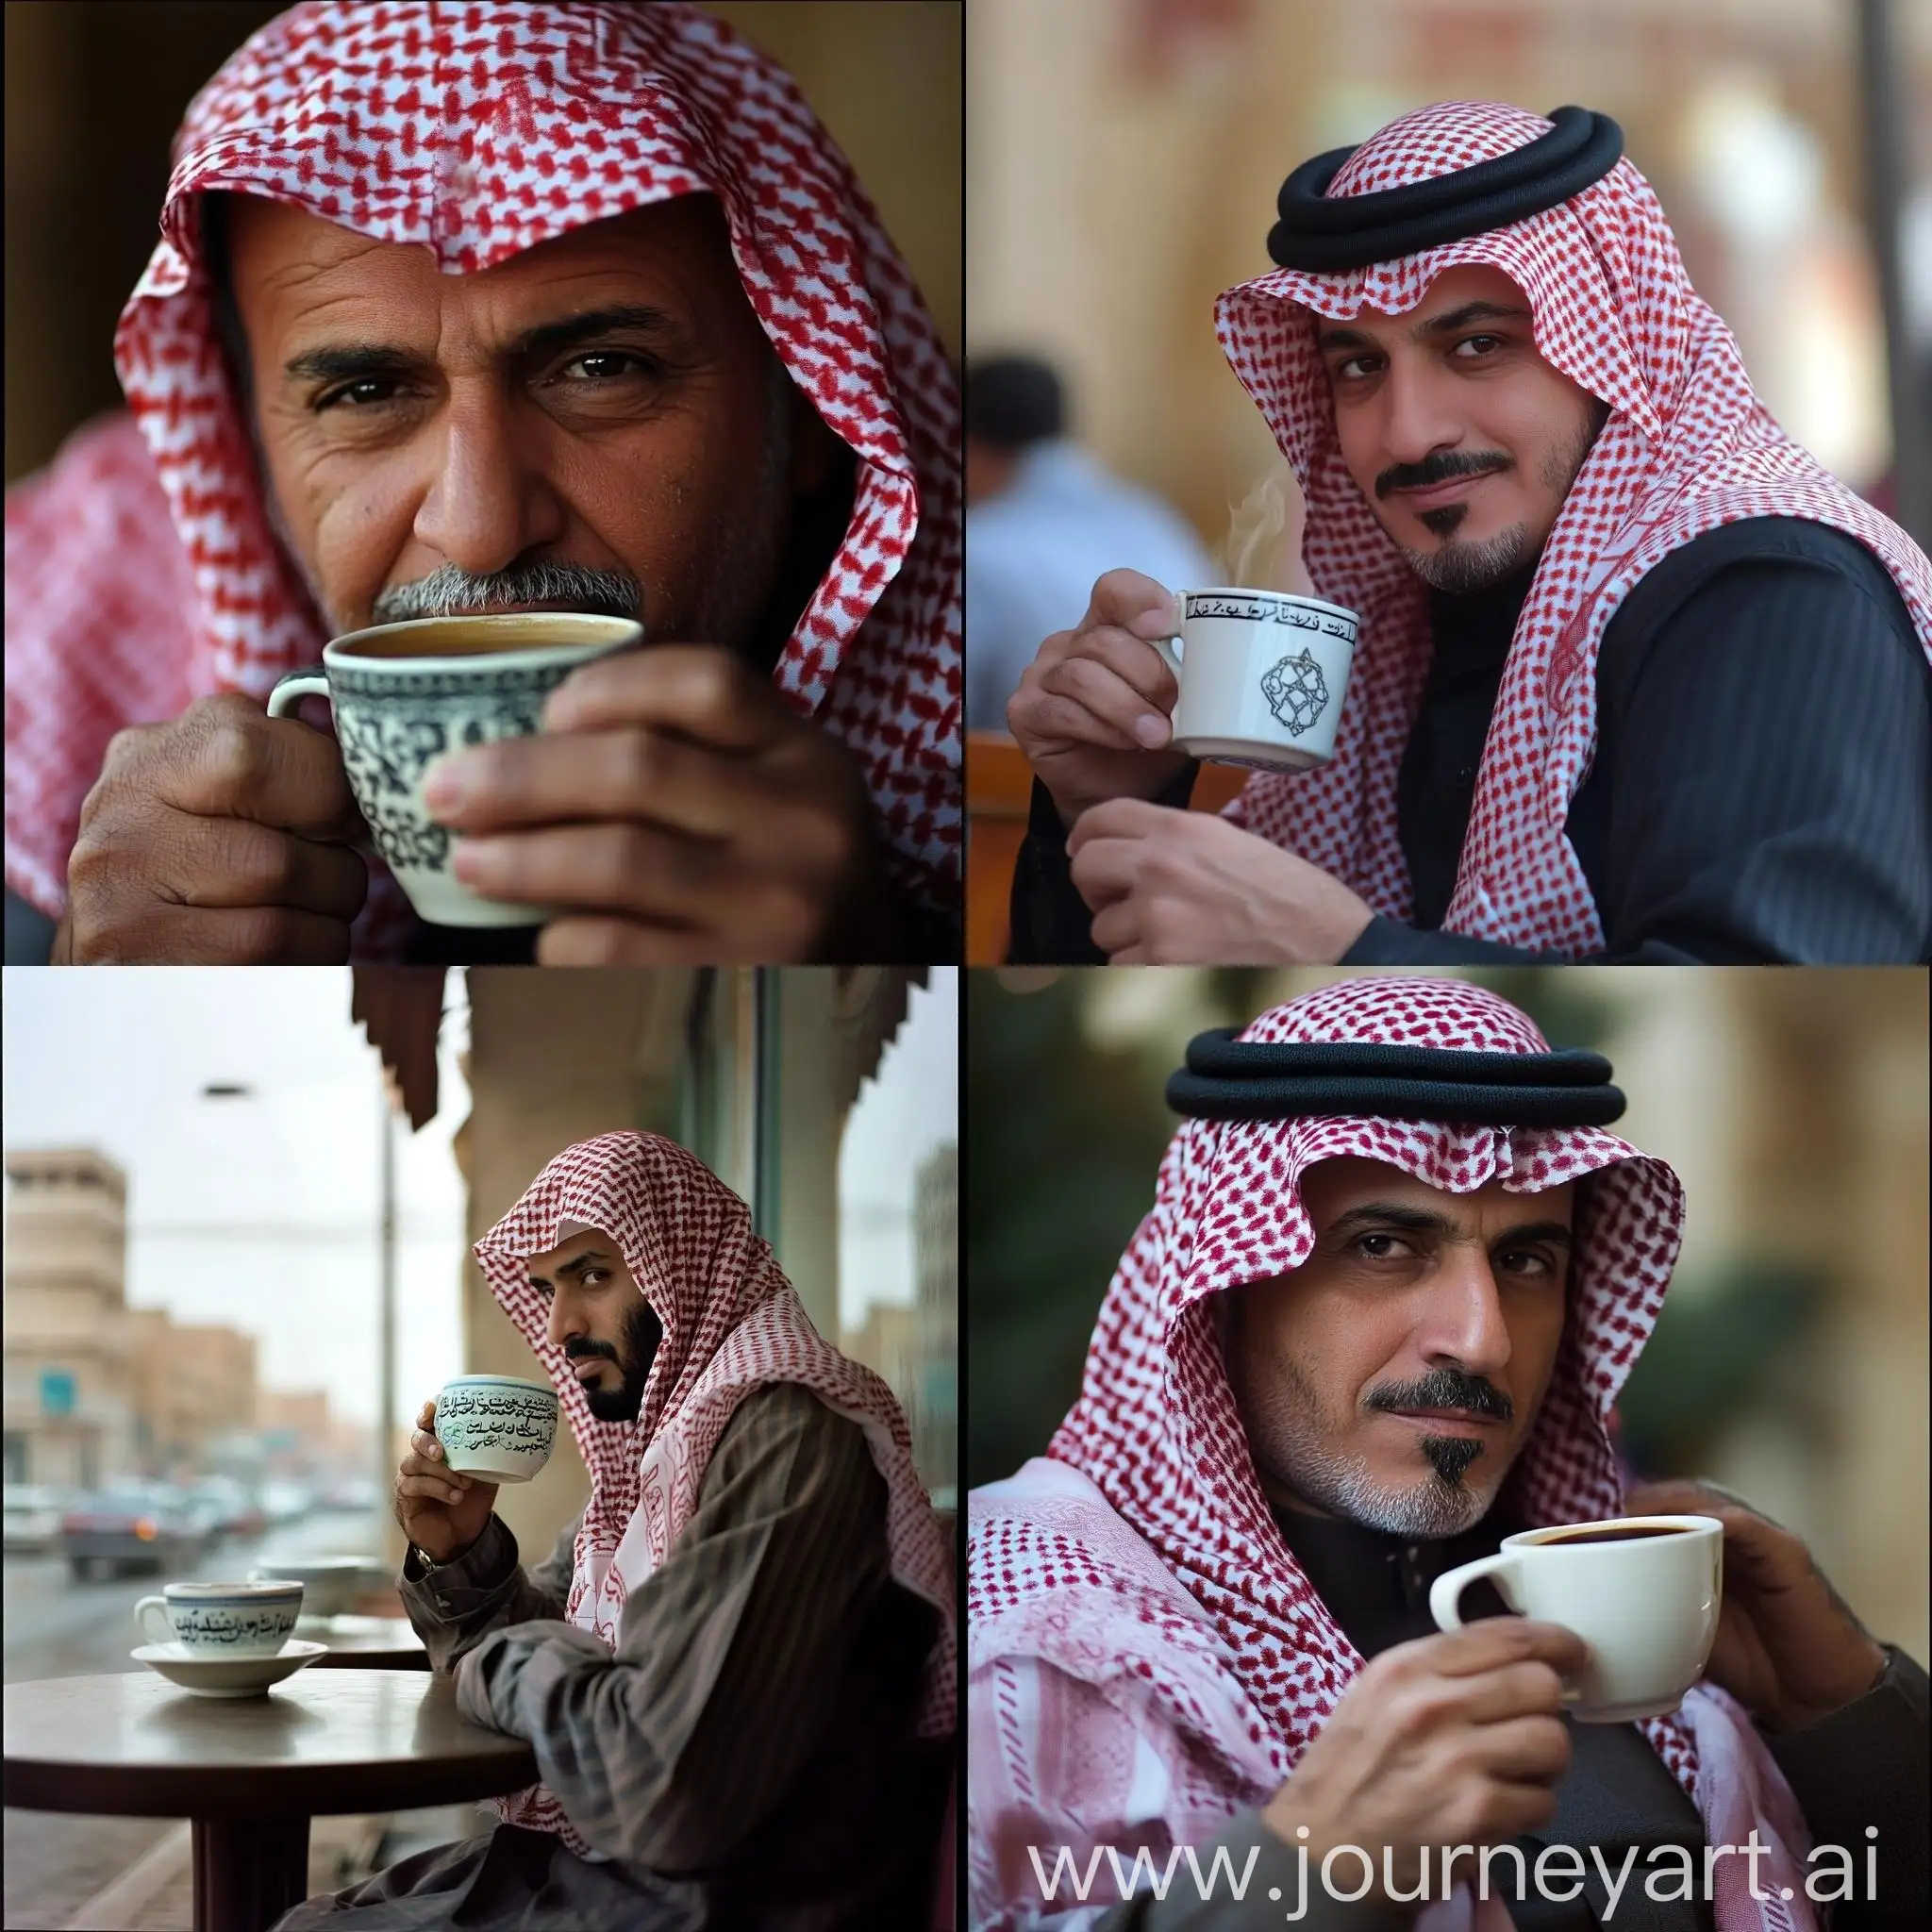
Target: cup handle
(312, 682)
(159, 1605)
(1445, 1594)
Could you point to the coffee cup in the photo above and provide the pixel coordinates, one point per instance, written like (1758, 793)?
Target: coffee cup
(1262, 674)
(407, 694)
(1643, 1592)
(499, 1427)
(222, 1620)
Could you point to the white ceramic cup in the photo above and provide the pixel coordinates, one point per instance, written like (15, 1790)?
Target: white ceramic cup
(406, 694)
(1646, 1604)
(222, 1620)
(1262, 675)
(499, 1428)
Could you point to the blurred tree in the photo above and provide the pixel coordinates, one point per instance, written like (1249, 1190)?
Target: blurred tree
(1062, 1144)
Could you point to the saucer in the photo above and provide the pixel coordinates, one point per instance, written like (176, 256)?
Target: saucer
(227, 1676)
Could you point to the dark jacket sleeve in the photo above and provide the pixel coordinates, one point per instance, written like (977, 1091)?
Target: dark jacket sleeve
(1049, 920)
(453, 1607)
(1866, 1767)
(667, 1753)
(1765, 739)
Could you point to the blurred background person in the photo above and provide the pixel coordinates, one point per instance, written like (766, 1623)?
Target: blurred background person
(1044, 518)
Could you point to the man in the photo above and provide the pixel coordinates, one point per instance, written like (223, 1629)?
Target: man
(1636, 681)
(1394, 1275)
(585, 311)
(736, 1668)
(1043, 519)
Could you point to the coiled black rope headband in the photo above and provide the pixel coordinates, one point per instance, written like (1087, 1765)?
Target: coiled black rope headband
(1322, 235)
(1226, 1079)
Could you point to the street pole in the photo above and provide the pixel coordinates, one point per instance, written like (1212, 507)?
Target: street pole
(386, 1408)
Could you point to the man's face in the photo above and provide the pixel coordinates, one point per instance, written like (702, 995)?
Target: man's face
(1393, 1377)
(601, 1321)
(605, 402)
(1461, 439)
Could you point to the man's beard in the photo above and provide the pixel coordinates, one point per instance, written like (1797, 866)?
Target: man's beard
(1290, 1441)
(1457, 569)
(642, 1332)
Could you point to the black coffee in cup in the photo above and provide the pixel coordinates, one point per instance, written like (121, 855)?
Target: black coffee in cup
(1614, 1533)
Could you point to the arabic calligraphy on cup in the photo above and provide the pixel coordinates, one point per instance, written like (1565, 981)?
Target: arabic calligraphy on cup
(496, 1426)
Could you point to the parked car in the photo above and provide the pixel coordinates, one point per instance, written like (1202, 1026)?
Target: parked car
(33, 1518)
(287, 1501)
(130, 1527)
(227, 1508)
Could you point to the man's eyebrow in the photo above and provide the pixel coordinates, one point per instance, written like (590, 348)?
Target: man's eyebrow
(590, 1258)
(343, 361)
(1385, 1214)
(1445, 324)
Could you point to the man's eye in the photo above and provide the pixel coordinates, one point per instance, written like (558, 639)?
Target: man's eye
(1378, 1247)
(330, 398)
(638, 364)
(1354, 367)
(1481, 344)
(1526, 1261)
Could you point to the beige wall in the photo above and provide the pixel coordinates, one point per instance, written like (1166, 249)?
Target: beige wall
(66, 1298)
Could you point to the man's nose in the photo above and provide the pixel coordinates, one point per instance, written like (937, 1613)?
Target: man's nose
(1465, 1324)
(1416, 420)
(488, 501)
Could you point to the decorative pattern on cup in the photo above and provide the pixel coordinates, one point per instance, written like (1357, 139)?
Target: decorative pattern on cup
(207, 1621)
(392, 727)
(497, 1428)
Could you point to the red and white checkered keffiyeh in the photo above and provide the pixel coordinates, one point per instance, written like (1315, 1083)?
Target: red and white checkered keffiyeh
(478, 131)
(732, 1324)
(1688, 447)
(1145, 1657)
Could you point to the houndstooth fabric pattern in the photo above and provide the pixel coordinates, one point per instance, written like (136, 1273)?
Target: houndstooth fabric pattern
(1688, 447)
(480, 130)
(1139, 1562)
(732, 1324)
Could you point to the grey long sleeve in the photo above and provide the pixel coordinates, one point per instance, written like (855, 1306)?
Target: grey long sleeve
(671, 1752)
(453, 1607)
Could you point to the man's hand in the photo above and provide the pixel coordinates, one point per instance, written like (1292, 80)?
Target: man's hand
(1185, 888)
(221, 838)
(1094, 710)
(1789, 1648)
(441, 1512)
(680, 812)
(1447, 1741)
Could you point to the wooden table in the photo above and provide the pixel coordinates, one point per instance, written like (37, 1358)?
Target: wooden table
(365, 1643)
(250, 1772)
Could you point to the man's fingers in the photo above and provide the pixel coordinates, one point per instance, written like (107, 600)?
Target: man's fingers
(1527, 1689)
(609, 867)
(236, 862)
(1127, 598)
(591, 942)
(1115, 696)
(587, 776)
(1117, 818)
(165, 934)
(1497, 1641)
(701, 691)
(1533, 1749)
(226, 759)
(1105, 871)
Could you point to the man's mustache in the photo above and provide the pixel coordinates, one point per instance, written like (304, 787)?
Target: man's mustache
(589, 1351)
(1444, 466)
(1443, 1388)
(451, 592)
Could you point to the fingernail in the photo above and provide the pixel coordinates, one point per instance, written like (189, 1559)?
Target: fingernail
(470, 860)
(448, 786)
(1150, 730)
(435, 1449)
